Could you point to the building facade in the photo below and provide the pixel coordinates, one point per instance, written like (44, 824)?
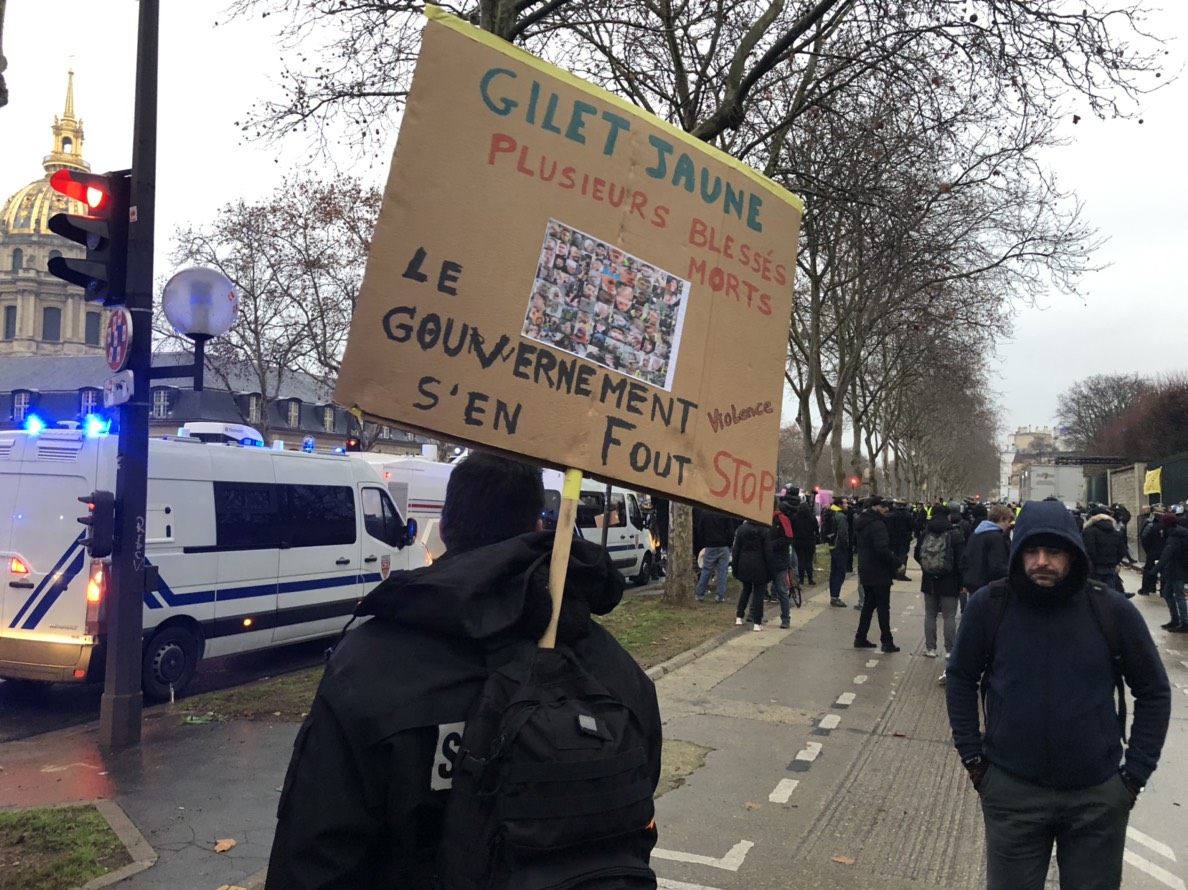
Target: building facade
(53, 362)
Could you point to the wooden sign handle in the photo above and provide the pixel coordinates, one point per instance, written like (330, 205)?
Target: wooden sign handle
(562, 542)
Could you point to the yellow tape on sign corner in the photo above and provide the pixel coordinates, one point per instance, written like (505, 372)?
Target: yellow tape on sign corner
(1153, 481)
(572, 486)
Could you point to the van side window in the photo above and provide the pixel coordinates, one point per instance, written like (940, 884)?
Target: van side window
(380, 518)
(319, 515)
(591, 507)
(246, 515)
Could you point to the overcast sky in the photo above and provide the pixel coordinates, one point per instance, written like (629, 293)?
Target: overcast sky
(1132, 317)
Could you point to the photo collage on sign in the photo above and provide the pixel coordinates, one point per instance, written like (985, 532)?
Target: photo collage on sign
(595, 301)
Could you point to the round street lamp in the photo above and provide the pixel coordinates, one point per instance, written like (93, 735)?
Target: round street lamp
(200, 304)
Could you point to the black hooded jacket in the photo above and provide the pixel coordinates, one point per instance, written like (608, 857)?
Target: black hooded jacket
(366, 789)
(1105, 545)
(877, 562)
(1049, 693)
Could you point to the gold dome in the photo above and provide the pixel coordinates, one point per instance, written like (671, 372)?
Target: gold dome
(28, 211)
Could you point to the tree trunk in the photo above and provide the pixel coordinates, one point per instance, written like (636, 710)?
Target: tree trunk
(679, 582)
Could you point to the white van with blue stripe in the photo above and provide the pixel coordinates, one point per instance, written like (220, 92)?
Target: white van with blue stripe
(255, 548)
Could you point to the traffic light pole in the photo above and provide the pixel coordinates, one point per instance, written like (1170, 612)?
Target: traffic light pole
(121, 705)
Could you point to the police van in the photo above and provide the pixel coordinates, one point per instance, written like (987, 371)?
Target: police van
(255, 548)
(418, 486)
(628, 539)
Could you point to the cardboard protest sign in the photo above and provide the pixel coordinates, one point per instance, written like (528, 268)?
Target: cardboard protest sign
(558, 274)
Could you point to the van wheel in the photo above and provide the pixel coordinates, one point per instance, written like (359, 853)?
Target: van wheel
(170, 659)
(645, 571)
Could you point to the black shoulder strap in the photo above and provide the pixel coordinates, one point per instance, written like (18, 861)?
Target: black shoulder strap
(1103, 611)
(996, 605)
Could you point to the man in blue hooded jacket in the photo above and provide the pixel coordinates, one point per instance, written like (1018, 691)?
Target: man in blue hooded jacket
(1050, 767)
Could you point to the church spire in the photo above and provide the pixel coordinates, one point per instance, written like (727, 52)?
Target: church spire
(69, 112)
(68, 136)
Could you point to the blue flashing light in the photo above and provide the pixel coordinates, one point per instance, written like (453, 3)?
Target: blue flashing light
(340, 450)
(308, 444)
(34, 424)
(251, 443)
(95, 425)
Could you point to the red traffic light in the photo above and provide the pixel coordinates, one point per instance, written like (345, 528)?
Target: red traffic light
(90, 189)
(853, 482)
(353, 444)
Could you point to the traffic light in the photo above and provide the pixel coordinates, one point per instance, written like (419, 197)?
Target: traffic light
(103, 274)
(100, 523)
(353, 444)
(853, 482)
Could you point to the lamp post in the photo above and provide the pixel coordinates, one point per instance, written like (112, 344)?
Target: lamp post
(200, 304)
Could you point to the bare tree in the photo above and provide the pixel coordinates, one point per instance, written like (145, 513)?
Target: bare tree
(1089, 406)
(296, 259)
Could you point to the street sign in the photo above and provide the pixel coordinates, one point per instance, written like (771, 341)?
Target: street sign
(119, 338)
(118, 389)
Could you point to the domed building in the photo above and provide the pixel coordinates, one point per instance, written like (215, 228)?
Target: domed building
(41, 314)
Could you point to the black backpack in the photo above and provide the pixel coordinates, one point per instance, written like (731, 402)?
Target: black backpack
(1103, 612)
(552, 785)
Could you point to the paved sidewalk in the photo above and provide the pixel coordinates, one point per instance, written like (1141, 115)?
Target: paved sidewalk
(187, 786)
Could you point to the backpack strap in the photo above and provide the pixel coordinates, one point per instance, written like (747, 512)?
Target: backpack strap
(1101, 606)
(996, 605)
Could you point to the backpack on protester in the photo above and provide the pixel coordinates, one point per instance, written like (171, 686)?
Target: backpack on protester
(936, 552)
(1103, 614)
(552, 785)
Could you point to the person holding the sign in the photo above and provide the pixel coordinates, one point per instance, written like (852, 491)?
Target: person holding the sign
(367, 788)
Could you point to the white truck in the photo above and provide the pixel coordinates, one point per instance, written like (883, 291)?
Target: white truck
(418, 487)
(1066, 484)
(255, 548)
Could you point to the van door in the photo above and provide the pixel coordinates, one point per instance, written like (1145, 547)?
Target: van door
(246, 516)
(320, 550)
(622, 535)
(383, 534)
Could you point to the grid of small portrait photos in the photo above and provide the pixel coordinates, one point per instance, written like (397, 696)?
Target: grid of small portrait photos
(595, 301)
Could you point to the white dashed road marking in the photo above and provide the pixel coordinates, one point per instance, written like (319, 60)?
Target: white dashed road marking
(872, 663)
(732, 861)
(1160, 874)
(783, 791)
(860, 679)
(666, 884)
(846, 698)
(829, 721)
(1151, 844)
(810, 752)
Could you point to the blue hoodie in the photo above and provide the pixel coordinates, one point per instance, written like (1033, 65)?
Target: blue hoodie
(1051, 714)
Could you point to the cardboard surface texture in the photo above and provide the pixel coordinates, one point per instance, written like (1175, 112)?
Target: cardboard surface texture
(559, 275)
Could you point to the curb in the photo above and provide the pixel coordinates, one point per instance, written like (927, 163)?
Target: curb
(679, 661)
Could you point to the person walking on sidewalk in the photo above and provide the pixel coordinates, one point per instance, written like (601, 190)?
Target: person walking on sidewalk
(805, 536)
(838, 539)
(713, 532)
(939, 553)
(1046, 764)
(1173, 571)
(1104, 545)
(365, 795)
(751, 563)
(877, 566)
(987, 553)
(779, 538)
(1154, 536)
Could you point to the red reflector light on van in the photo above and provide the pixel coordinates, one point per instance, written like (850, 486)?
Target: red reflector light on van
(18, 566)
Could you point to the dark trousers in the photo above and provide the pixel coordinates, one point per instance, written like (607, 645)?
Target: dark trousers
(804, 559)
(1023, 821)
(878, 599)
(753, 591)
(839, 560)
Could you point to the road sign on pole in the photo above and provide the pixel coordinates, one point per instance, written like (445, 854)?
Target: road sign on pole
(119, 338)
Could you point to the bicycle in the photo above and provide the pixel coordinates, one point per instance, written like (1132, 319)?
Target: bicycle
(794, 592)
